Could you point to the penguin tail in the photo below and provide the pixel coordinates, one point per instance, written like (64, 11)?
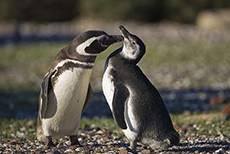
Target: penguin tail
(39, 131)
(158, 145)
(173, 138)
(40, 135)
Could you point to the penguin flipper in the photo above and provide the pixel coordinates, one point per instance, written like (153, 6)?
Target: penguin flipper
(45, 89)
(121, 95)
(88, 98)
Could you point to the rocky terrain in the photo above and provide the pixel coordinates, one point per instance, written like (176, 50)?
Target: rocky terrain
(205, 133)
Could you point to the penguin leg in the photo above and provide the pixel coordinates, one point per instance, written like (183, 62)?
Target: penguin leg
(49, 142)
(74, 140)
(133, 145)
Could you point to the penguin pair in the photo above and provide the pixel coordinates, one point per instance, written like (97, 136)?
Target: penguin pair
(136, 104)
(65, 89)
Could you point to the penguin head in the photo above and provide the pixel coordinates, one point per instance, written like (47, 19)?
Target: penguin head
(133, 48)
(94, 42)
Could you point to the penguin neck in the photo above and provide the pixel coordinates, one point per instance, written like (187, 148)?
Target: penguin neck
(112, 56)
(118, 61)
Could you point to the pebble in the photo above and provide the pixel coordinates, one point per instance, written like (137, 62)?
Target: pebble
(146, 151)
(60, 145)
(69, 151)
(67, 143)
(99, 132)
(79, 149)
(220, 151)
(123, 151)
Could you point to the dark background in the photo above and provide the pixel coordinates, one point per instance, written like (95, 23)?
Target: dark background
(183, 11)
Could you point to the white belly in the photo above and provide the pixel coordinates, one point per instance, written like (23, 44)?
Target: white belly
(66, 103)
(108, 89)
(132, 130)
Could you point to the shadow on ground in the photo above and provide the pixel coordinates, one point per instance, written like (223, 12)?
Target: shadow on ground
(17, 104)
(200, 147)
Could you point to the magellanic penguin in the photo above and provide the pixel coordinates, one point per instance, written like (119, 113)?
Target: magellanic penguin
(65, 89)
(136, 104)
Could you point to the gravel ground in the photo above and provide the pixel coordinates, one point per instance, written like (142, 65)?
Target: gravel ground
(98, 141)
(195, 138)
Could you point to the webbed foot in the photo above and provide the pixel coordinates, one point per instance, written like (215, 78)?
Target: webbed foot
(74, 140)
(49, 142)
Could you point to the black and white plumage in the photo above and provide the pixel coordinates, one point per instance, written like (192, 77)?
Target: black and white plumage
(65, 89)
(136, 104)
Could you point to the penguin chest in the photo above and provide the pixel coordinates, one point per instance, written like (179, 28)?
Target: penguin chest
(71, 90)
(108, 89)
(108, 86)
(66, 102)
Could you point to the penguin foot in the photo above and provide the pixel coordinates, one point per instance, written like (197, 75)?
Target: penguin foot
(49, 142)
(74, 140)
(133, 146)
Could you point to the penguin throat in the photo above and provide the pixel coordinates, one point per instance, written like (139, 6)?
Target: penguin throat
(129, 55)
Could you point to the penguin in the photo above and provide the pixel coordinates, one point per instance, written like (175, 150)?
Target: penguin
(135, 103)
(65, 88)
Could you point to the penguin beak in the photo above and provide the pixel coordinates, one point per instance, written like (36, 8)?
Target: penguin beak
(124, 32)
(113, 39)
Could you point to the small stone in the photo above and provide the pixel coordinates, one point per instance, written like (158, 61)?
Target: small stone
(116, 146)
(17, 147)
(83, 134)
(99, 132)
(146, 151)
(73, 146)
(25, 145)
(123, 151)
(110, 145)
(15, 141)
(220, 151)
(69, 150)
(79, 149)
(67, 142)
(60, 145)
(20, 134)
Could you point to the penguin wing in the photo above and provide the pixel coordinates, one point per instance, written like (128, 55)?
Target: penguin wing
(45, 89)
(88, 98)
(120, 98)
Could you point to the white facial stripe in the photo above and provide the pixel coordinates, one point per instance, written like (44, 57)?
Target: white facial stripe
(61, 63)
(81, 48)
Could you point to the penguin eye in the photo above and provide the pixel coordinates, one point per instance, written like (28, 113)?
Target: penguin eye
(134, 43)
(101, 40)
(104, 39)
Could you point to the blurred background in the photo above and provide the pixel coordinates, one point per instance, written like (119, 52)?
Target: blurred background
(187, 58)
